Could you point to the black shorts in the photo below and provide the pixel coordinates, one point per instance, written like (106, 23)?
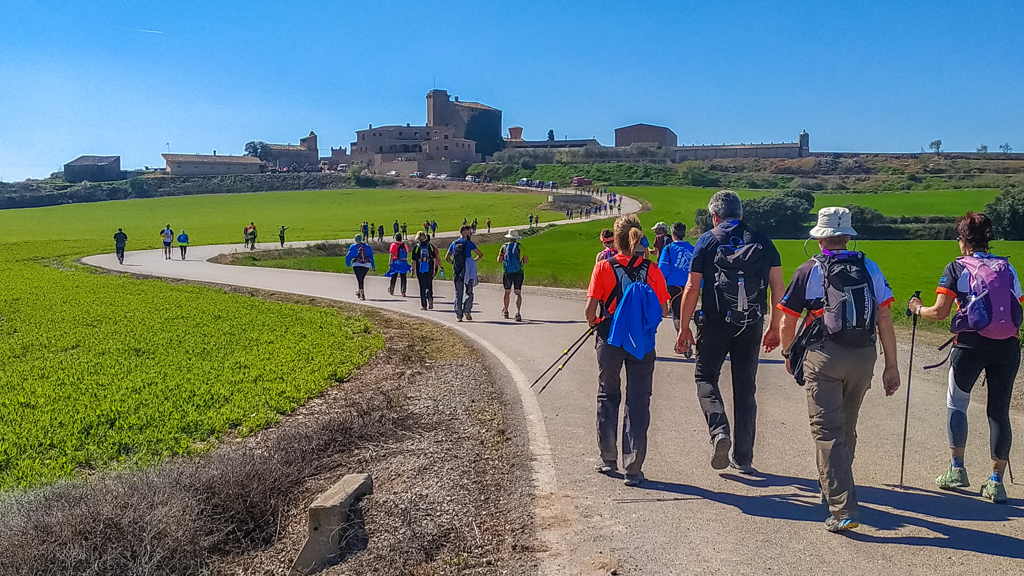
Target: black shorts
(512, 280)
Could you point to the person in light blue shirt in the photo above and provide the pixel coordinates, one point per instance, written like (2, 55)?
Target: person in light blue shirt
(674, 262)
(183, 243)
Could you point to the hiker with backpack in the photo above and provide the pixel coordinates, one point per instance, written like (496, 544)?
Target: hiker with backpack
(608, 241)
(674, 263)
(512, 260)
(183, 244)
(399, 267)
(120, 241)
(463, 254)
(428, 262)
(732, 269)
(987, 290)
(849, 309)
(661, 239)
(626, 300)
(380, 233)
(360, 258)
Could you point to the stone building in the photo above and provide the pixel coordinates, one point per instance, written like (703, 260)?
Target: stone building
(305, 156)
(798, 149)
(211, 164)
(515, 140)
(471, 120)
(412, 148)
(646, 134)
(93, 169)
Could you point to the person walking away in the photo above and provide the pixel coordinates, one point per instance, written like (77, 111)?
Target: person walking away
(394, 228)
(463, 254)
(512, 260)
(987, 291)
(474, 225)
(661, 239)
(280, 234)
(625, 301)
(167, 235)
(360, 259)
(380, 233)
(674, 263)
(536, 219)
(399, 268)
(488, 225)
(529, 217)
(848, 304)
(252, 235)
(405, 229)
(740, 265)
(183, 244)
(433, 228)
(373, 231)
(428, 262)
(364, 229)
(120, 241)
(607, 238)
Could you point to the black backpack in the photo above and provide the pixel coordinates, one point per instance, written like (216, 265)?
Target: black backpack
(459, 255)
(740, 276)
(850, 306)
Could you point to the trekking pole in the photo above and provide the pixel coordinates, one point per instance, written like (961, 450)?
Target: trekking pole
(563, 365)
(1009, 469)
(563, 354)
(910, 374)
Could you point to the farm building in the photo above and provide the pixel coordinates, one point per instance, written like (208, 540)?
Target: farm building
(648, 134)
(93, 169)
(305, 156)
(211, 165)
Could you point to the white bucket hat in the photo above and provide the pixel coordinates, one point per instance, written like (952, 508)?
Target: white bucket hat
(833, 221)
(512, 235)
(660, 225)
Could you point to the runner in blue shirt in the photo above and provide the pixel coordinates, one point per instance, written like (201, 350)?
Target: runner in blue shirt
(674, 262)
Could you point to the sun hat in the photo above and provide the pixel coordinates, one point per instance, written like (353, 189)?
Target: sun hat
(512, 235)
(660, 226)
(833, 221)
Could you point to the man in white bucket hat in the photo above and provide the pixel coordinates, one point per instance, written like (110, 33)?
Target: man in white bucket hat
(512, 260)
(847, 301)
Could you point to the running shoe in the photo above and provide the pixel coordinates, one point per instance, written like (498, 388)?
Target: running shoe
(634, 480)
(953, 478)
(519, 317)
(993, 491)
(720, 454)
(833, 524)
(742, 468)
(469, 316)
(430, 304)
(606, 467)
(505, 314)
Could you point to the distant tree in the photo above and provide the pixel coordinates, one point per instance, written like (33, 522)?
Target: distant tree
(1005, 148)
(1007, 214)
(983, 149)
(551, 135)
(256, 149)
(702, 221)
(781, 215)
(935, 145)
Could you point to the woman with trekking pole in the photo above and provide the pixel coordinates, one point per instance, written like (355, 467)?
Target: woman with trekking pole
(626, 300)
(986, 326)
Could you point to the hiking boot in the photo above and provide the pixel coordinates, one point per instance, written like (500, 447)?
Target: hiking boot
(833, 524)
(742, 468)
(430, 304)
(993, 491)
(458, 318)
(720, 454)
(634, 480)
(469, 316)
(607, 467)
(953, 478)
(519, 317)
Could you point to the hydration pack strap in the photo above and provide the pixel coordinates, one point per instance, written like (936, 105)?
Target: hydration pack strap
(940, 349)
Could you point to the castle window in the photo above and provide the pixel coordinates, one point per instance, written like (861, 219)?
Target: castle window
(445, 136)
(445, 147)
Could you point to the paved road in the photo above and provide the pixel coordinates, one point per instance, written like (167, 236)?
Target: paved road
(690, 519)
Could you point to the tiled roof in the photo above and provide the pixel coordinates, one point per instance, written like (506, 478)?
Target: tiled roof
(476, 105)
(211, 158)
(93, 160)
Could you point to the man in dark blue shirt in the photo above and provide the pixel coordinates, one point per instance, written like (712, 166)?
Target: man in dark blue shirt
(733, 267)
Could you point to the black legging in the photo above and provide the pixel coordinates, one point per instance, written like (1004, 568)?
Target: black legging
(360, 272)
(405, 282)
(426, 288)
(1000, 360)
(183, 250)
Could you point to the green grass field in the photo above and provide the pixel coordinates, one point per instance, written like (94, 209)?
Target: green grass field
(101, 370)
(916, 203)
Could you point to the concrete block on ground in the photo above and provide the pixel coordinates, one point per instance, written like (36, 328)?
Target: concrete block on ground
(328, 515)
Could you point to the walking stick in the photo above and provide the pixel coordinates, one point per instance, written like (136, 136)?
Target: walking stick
(910, 374)
(1009, 469)
(563, 354)
(556, 372)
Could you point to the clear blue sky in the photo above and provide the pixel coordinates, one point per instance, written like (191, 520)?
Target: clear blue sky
(127, 77)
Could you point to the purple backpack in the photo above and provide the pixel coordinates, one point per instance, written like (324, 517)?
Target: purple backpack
(992, 309)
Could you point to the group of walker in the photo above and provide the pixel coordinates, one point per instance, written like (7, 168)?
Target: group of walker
(828, 321)
(423, 260)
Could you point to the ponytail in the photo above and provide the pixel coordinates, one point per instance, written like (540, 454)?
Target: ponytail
(629, 236)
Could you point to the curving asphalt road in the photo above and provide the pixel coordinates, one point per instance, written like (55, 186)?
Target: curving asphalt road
(690, 519)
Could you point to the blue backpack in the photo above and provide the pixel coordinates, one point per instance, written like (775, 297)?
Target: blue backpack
(637, 312)
(426, 258)
(512, 262)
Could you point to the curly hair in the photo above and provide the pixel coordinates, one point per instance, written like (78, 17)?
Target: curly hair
(975, 230)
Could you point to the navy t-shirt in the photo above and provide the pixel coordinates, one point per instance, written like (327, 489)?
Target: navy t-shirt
(704, 261)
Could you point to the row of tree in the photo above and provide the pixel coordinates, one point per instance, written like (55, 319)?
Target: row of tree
(936, 146)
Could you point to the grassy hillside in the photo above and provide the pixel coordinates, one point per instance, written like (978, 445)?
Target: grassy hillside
(916, 203)
(100, 370)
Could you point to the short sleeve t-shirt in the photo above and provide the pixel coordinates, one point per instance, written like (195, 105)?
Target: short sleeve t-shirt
(956, 282)
(467, 265)
(704, 260)
(603, 280)
(168, 235)
(807, 289)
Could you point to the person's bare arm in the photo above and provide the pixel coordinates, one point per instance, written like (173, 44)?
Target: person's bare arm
(778, 289)
(591, 311)
(787, 333)
(501, 255)
(690, 295)
(940, 311)
(887, 335)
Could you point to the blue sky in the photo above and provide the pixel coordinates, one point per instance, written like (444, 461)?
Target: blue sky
(127, 78)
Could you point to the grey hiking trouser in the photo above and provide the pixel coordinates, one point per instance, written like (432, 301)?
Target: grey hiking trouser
(837, 379)
(639, 377)
(463, 296)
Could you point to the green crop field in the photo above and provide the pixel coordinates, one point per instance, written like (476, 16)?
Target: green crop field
(916, 203)
(101, 370)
